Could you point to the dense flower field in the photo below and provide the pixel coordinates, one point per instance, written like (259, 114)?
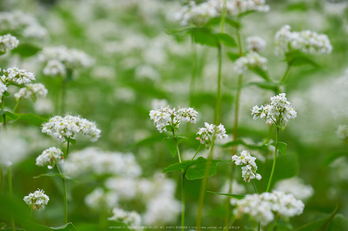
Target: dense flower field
(173, 115)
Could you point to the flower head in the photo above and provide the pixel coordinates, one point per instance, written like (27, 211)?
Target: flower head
(196, 14)
(3, 88)
(129, 218)
(99, 199)
(50, 157)
(255, 43)
(7, 43)
(206, 135)
(17, 75)
(249, 170)
(251, 60)
(34, 91)
(68, 127)
(37, 199)
(278, 112)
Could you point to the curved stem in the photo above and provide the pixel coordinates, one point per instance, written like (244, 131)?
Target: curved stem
(254, 186)
(16, 106)
(274, 161)
(199, 147)
(277, 90)
(236, 112)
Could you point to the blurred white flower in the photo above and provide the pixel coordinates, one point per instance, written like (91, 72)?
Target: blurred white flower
(296, 187)
(7, 43)
(342, 132)
(33, 90)
(158, 103)
(129, 218)
(255, 43)
(44, 106)
(99, 199)
(13, 147)
(251, 60)
(37, 199)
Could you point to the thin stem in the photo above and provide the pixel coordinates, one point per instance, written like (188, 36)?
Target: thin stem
(4, 123)
(31, 212)
(1, 177)
(236, 112)
(274, 161)
(9, 173)
(240, 53)
(254, 186)
(64, 196)
(286, 73)
(16, 106)
(218, 92)
(223, 17)
(62, 106)
(183, 201)
(199, 147)
(194, 70)
(204, 185)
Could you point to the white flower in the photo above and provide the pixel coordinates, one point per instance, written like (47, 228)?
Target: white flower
(37, 199)
(34, 90)
(99, 199)
(263, 207)
(3, 88)
(69, 126)
(158, 103)
(296, 187)
(54, 68)
(342, 132)
(17, 75)
(255, 43)
(306, 41)
(278, 112)
(251, 60)
(7, 43)
(206, 134)
(164, 116)
(13, 148)
(249, 170)
(196, 14)
(50, 157)
(129, 218)
(236, 7)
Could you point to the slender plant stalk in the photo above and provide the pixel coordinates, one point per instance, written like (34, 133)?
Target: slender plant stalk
(16, 106)
(240, 51)
(218, 92)
(9, 173)
(31, 212)
(194, 70)
(4, 122)
(1, 177)
(63, 95)
(254, 186)
(199, 147)
(277, 90)
(64, 186)
(274, 161)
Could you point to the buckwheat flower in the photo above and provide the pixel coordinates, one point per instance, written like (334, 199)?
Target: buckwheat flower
(17, 75)
(342, 132)
(250, 168)
(251, 60)
(54, 68)
(164, 116)
(196, 14)
(69, 126)
(37, 199)
(34, 91)
(305, 41)
(7, 43)
(205, 135)
(50, 157)
(3, 88)
(129, 218)
(255, 43)
(296, 187)
(263, 207)
(236, 7)
(278, 112)
(99, 199)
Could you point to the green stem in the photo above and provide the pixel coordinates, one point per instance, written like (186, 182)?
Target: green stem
(194, 70)
(240, 53)
(218, 92)
(9, 173)
(277, 90)
(16, 106)
(62, 106)
(1, 177)
(199, 147)
(274, 161)
(236, 112)
(254, 186)
(4, 123)
(64, 196)
(182, 201)
(31, 212)
(223, 17)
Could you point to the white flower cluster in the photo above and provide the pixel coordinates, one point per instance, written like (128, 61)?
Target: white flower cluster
(129, 218)
(196, 14)
(236, 7)
(206, 134)
(201, 13)
(7, 43)
(69, 126)
(261, 207)
(13, 147)
(251, 60)
(342, 132)
(99, 199)
(94, 160)
(249, 170)
(17, 75)
(306, 41)
(37, 199)
(255, 43)
(164, 116)
(3, 88)
(59, 59)
(34, 90)
(296, 187)
(278, 112)
(50, 157)
(22, 24)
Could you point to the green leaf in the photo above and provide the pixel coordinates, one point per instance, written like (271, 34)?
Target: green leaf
(235, 196)
(281, 147)
(50, 174)
(321, 221)
(31, 226)
(204, 36)
(241, 142)
(300, 6)
(72, 141)
(195, 169)
(9, 115)
(279, 226)
(6, 94)
(171, 143)
(26, 50)
(233, 23)
(262, 73)
(226, 39)
(332, 157)
(232, 56)
(32, 119)
(338, 223)
(298, 58)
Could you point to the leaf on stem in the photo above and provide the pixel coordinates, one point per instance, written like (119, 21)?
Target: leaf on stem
(6, 94)
(232, 56)
(281, 147)
(241, 142)
(235, 196)
(298, 58)
(204, 36)
(26, 50)
(52, 174)
(171, 143)
(9, 115)
(32, 118)
(262, 73)
(226, 39)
